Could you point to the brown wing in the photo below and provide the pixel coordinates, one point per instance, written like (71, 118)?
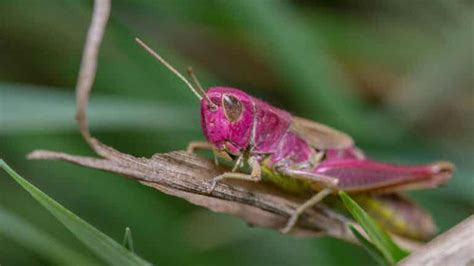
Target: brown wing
(320, 136)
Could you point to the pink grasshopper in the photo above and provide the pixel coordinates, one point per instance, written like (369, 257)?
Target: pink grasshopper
(303, 156)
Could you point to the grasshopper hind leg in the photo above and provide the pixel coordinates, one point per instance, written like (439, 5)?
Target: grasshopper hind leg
(327, 183)
(303, 207)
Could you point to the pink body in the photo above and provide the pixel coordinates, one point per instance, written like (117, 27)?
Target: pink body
(244, 124)
(302, 156)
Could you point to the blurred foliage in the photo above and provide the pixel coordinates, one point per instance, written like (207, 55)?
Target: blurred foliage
(397, 75)
(103, 246)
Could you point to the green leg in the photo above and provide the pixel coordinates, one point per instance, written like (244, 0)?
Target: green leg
(255, 175)
(303, 207)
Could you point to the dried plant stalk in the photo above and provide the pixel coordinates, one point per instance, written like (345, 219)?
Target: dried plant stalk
(89, 60)
(187, 176)
(455, 247)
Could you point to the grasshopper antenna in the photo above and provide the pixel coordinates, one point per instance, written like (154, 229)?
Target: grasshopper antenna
(198, 84)
(171, 68)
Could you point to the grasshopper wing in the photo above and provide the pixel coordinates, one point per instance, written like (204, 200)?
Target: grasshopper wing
(371, 176)
(320, 136)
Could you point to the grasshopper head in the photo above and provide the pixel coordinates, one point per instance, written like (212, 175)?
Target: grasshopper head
(227, 122)
(226, 113)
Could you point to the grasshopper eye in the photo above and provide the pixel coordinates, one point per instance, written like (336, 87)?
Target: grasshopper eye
(232, 107)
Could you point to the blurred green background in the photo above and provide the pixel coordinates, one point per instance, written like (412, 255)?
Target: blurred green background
(397, 75)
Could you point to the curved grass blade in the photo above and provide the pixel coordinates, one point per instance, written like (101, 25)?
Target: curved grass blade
(391, 251)
(370, 248)
(105, 247)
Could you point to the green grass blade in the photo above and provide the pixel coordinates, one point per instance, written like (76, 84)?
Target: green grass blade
(27, 235)
(370, 248)
(102, 245)
(128, 240)
(391, 251)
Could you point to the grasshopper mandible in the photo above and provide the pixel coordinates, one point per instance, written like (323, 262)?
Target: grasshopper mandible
(303, 156)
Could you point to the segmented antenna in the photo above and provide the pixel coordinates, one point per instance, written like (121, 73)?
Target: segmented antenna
(169, 66)
(198, 84)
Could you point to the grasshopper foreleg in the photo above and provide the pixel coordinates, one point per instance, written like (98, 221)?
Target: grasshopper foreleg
(255, 175)
(198, 145)
(239, 163)
(306, 205)
(202, 145)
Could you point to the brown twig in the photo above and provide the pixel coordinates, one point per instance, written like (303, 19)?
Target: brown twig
(455, 247)
(187, 176)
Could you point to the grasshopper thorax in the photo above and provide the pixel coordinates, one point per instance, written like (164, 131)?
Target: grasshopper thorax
(228, 122)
